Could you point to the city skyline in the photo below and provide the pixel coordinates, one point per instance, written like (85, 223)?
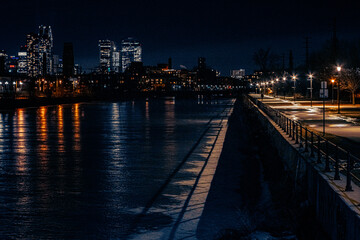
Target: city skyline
(226, 33)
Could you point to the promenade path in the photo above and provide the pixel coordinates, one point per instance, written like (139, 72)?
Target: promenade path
(341, 125)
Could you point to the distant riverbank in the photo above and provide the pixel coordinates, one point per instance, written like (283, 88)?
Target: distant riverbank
(11, 104)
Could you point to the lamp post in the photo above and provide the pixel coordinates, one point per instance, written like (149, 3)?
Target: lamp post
(332, 92)
(284, 78)
(311, 88)
(338, 88)
(294, 78)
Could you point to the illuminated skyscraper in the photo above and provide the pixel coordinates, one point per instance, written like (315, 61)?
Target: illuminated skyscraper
(22, 62)
(109, 56)
(130, 52)
(46, 50)
(40, 52)
(115, 64)
(33, 59)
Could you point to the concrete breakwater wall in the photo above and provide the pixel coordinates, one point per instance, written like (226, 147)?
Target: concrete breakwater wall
(337, 210)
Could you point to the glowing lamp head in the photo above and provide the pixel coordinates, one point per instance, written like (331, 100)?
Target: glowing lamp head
(338, 68)
(332, 80)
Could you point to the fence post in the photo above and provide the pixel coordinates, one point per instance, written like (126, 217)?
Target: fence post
(290, 127)
(301, 136)
(319, 151)
(327, 164)
(348, 173)
(297, 134)
(278, 118)
(337, 175)
(287, 125)
(293, 131)
(306, 140)
(312, 144)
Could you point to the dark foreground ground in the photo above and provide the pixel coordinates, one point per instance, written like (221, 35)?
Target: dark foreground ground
(251, 196)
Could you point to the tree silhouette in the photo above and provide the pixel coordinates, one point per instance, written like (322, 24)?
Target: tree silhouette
(350, 80)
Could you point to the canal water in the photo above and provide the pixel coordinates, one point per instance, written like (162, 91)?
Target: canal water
(86, 171)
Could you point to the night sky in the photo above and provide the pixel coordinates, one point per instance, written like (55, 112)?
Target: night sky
(225, 32)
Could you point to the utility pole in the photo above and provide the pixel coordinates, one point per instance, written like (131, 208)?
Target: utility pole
(291, 62)
(307, 64)
(334, 43)
(283, 62)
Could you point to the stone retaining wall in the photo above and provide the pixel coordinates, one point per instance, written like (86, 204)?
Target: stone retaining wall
(337, 210)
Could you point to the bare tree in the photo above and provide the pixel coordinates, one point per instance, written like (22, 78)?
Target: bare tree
(267, 61)
(262, 59)
(350, 80)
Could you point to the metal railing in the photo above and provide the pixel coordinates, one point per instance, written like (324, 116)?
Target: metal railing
(334, 158)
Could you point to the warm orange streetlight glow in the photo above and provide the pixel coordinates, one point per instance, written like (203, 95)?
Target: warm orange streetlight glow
(332, 80)
(338, 68)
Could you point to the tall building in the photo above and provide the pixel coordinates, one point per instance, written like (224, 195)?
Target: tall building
(3, 59)
(109, 57)
(238, 73)
(40, 52)
(23, 61)
(115, 64)
(33, 59)
(130, 52)
(56, 65)
(46, 49)
(68, 60)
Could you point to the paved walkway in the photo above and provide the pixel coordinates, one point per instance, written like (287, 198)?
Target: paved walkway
(335, 124)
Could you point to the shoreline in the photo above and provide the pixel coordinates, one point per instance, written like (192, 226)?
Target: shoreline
(7, 105)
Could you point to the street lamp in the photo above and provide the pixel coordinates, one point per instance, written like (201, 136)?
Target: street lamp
(311, 89)
(332, 91)
(338, 68)
(294, 78)
(284, 79)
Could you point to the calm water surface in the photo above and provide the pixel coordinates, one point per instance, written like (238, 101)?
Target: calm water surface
(86, 170)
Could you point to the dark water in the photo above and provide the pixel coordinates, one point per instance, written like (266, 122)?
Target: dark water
(86, 170)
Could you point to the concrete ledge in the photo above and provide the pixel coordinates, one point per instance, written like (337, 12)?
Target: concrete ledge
(338, 211)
